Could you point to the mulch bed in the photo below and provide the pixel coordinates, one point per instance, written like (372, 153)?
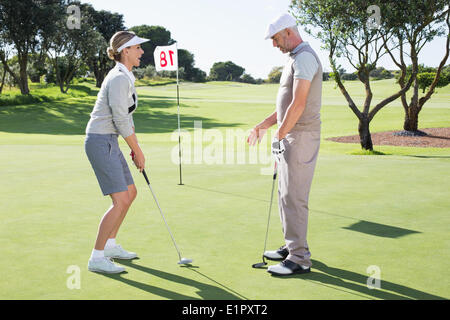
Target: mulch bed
(435, 138)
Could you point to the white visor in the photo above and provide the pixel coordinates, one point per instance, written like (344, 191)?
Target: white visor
(132, 42)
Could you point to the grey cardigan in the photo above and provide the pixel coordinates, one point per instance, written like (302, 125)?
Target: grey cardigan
(115, 105)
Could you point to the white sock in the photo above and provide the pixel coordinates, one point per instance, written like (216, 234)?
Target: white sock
(111, 243)
(97, 254)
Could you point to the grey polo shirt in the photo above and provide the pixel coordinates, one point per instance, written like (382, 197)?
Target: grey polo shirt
(115, 105)
(303, 63)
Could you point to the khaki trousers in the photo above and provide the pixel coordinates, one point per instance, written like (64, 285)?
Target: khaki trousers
(296, 170)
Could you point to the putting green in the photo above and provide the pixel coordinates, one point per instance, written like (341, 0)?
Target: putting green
(388, 211)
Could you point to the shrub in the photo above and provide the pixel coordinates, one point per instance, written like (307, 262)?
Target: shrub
(349, 76)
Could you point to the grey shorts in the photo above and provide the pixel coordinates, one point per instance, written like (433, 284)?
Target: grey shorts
(108, 162)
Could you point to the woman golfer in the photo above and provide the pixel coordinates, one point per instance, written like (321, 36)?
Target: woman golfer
(113, 116)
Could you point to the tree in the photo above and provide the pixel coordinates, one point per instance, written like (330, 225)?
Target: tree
(198, 75)
(414, 23)
(36, 67)
(4, 56)
(13, 66)
(445, 74)
(69, 49)
(225, 71)
(65, 69)
(159, 36)
(421, 68)
(186, 60)
(426, 79)
(349, 76)
(275, 75)
(107, 24)
(2, 77)
(345, 31)
(25, 24)
(247, 78)
(381, 73)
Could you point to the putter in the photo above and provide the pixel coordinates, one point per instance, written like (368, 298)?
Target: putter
(182, 260)
(263, 263)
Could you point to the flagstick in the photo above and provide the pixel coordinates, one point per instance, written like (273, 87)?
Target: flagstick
(179, 130)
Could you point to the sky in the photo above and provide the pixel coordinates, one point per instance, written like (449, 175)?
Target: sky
(231, 30)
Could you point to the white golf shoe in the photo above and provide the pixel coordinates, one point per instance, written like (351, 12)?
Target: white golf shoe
(118, 252)
(104, 265)
(287, 267)
(277, 255)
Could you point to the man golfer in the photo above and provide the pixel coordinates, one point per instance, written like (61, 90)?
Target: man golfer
(298, 117)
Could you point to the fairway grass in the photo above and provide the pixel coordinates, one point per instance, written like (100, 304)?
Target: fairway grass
(386, 212)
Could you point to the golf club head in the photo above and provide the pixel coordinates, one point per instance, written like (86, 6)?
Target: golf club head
(185, 261)
(259, 265)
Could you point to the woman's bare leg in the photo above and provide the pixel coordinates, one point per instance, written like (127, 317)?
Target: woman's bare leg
(132, 192)
(121, 203)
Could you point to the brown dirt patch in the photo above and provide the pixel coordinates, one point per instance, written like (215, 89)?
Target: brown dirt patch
(435, 138)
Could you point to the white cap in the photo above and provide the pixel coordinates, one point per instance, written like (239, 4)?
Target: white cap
(132, 42)
(282, 22)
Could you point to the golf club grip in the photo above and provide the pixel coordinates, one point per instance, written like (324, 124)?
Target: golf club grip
(145, 176)
(275, 171)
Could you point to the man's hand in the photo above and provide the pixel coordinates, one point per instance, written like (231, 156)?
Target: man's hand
(261, 128)
(256, 134)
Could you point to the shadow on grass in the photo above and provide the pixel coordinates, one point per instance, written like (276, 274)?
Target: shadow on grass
(206, 291)
(428, 157)
(238, 295)
(379, 230)
(363, 226)
(70, 117)
(149, 288)
(379, 153)
(355, 283)
(368, 153)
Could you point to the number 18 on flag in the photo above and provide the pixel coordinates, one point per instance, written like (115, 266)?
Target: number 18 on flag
(166, 58)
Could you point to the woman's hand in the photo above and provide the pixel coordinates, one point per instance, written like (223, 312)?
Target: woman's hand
(136, 153)
(138, 159)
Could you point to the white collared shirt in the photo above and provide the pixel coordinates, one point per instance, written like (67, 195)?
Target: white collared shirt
(130, 74)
